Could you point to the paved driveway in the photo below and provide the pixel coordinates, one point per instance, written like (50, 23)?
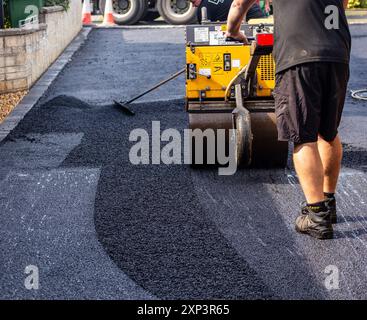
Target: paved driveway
(96, 226)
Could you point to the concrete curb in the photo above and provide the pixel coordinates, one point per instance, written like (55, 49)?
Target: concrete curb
(357, 21)
(40, 87)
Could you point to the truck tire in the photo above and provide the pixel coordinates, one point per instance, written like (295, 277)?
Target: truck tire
(126, 12)
(177, 11)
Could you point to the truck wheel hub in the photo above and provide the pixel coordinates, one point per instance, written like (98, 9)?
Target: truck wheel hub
(179, 6)
(121, 6)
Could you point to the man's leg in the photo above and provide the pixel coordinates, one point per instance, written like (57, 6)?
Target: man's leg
(310, 171)
(298, 106)
(315, 219)
(331, 154)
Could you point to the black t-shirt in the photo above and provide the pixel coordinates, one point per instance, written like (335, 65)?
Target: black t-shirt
(301, 33)
(217, 10)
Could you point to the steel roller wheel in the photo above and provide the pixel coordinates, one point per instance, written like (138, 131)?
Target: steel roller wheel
(267, 151)
(205, 121)
(237, 141)
(242, 142)
(255, 142)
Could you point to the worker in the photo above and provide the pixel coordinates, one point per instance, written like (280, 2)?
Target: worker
(312, 71)
(217, 10)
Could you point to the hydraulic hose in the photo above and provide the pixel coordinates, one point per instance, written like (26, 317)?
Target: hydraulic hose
(243, 70)
(359, 94)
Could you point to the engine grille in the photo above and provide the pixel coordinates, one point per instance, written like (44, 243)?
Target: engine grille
(267, 67)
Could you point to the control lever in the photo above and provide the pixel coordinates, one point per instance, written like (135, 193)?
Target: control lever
(204, 16)
(230, 39)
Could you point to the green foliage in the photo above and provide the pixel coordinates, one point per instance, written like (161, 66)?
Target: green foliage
(357, 4)
(63, 3)
(6, 13)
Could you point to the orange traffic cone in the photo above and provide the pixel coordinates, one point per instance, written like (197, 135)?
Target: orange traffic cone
(108, 19)
(86, 13)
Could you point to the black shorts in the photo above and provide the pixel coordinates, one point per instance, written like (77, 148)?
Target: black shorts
(309, 101)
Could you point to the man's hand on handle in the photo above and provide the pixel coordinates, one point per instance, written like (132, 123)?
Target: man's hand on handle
(236, 15)
(238, 37)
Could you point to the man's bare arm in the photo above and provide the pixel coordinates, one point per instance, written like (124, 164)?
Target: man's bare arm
(236, 14)
(345, 2)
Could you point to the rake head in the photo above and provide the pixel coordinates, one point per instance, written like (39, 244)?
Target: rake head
(124, 108)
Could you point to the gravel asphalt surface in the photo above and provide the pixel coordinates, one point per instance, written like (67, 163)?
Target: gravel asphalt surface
(97, 226)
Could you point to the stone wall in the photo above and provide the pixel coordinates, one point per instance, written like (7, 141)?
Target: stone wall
(25, 54)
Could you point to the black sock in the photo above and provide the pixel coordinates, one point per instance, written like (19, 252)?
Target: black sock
(329, 195)
(318, 206)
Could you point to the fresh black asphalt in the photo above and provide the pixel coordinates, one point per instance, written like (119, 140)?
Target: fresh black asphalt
(99, 227)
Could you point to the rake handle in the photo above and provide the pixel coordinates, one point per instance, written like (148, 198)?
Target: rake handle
(156, 86)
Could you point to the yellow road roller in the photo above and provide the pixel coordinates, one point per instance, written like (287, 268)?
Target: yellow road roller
(229, 86)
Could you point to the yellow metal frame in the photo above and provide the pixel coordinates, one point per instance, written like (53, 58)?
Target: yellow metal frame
(209, 61)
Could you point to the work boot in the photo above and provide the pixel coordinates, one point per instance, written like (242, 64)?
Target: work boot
(331, 204)
(315, 223)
